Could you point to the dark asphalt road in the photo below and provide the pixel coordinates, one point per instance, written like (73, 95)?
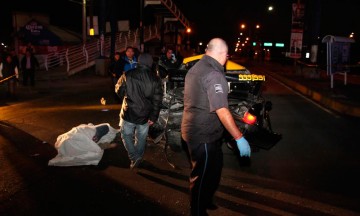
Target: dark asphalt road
(41, 114)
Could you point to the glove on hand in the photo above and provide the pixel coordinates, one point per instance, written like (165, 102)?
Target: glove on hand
(244, 147)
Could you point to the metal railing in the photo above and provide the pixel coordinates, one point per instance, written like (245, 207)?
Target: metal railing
(176, 12)
(79, 57)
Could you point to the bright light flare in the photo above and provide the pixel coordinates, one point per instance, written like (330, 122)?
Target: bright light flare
(249, 118)
(103, 101)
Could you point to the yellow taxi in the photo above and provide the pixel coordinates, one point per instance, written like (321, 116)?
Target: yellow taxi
(241, 81)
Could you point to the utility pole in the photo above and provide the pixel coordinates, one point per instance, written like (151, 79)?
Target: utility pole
(102, 25)
(83, 18)
(113, 24)
(315, 29)
(141, 26)
(84, 21)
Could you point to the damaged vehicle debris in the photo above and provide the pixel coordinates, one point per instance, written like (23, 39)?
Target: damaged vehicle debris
(250, 109)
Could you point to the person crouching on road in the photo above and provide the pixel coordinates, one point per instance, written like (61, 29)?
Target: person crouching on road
(141, 93)
(205, 116)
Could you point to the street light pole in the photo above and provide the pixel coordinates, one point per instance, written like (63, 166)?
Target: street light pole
(188, 31)
(83, 18)
(141, 26)
(84, 21)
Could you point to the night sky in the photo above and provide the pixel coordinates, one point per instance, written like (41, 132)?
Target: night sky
(208, 18)
(222, 18)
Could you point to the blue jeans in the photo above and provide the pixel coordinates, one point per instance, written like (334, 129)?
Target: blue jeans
(134, 138)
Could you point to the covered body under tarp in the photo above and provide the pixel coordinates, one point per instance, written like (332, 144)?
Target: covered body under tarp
(77, 146)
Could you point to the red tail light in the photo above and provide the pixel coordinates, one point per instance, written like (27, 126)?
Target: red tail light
(249, 118)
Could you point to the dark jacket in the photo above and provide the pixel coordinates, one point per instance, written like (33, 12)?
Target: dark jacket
(33, 63)
(142, 94)
(169, 63)
(116, 68)
(128, 64)
(8, 69)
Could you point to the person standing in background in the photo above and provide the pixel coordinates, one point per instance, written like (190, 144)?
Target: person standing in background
(29, 64)
(9, 71)
(116, 68)
(129, 60)
(15, 58)
(168, 59)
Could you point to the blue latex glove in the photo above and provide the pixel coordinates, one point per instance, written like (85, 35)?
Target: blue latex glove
(244, 147)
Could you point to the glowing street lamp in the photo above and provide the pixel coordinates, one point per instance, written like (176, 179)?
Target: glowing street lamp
(200, 47)
(188, 31)
(249, 34)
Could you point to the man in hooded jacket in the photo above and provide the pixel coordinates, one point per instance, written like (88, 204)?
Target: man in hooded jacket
(141, 93)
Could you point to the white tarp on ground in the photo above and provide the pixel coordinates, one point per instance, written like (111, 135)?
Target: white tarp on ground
(76, 147)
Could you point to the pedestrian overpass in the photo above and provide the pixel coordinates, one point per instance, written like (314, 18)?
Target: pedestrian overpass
(76, 58)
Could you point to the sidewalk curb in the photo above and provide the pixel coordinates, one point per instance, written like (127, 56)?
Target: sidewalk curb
(318, 97)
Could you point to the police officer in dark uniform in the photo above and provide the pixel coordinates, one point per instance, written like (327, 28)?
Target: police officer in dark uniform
(206, 113)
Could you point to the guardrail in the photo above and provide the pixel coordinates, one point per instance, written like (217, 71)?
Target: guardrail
(82, 56)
